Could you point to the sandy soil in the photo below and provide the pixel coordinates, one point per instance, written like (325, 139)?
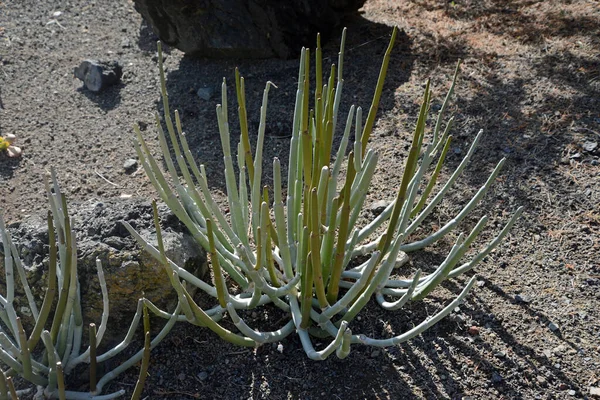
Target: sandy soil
(530, 79)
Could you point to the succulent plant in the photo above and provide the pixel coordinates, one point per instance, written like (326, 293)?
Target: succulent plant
(48, 354)
(296, 252)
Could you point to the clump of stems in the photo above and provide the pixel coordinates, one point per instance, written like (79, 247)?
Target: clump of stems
(295, 252)
(48, 354)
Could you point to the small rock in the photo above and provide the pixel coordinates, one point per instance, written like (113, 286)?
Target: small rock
(553, 327)
(375, 353)
(500, 354)
(205, 93)
(280, 348)
(125, 43)
(115, 242)
(541, 380)
(571, 392)
(473, 330)
(142, 125)
(26, 311)
(57, 14)
(378, 207)
(130, 165)
(181, 377)
(496, 378)
(480, 283)
(576, 156)
(595, 391)
(523, 299)
(559, 349)
(590, 146)
(203, 375)
(97, 75)
(563, 386)
(547, 353)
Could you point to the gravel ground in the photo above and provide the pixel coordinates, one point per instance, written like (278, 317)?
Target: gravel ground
(530, 79)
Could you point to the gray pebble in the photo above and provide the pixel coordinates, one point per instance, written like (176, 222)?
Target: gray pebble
(203, 375)
(115, 242)
(553, 327)
(496, 378)
(378, 207)
(98, 75)
(205, 93)
(130, 165)
(559, 349)
(522, 299)
(590, 146)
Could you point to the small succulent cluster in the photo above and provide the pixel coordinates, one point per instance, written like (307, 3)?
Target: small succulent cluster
(47, 354)
(7, 145)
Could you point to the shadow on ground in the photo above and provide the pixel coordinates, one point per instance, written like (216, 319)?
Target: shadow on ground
(431, 365)
(108, 99)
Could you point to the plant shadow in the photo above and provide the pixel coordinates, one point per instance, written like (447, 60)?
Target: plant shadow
(443, 362)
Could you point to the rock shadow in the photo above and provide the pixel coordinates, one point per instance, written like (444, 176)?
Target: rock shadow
(108, 99)
(147, 38)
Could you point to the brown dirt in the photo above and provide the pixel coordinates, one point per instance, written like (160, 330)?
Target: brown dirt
(530, 79)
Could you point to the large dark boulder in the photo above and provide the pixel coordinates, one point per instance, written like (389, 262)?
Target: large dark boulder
(244, 28)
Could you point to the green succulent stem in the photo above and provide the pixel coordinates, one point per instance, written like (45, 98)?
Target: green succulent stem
(366, 133)
(340, 252)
